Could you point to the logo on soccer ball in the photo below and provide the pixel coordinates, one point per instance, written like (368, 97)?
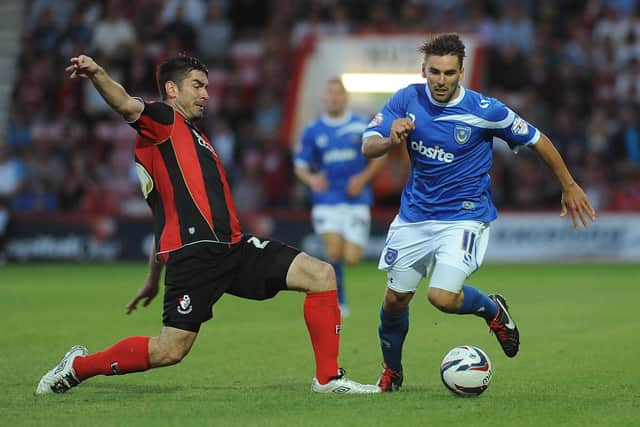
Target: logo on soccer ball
(466, 371)
(184, 304)
(461, 133)
(390, 256)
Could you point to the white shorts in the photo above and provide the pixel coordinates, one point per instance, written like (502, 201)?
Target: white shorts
(413, 251)
(352, 222)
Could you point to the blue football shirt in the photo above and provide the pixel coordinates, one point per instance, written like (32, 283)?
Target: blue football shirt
(334, 146)
(451, 151)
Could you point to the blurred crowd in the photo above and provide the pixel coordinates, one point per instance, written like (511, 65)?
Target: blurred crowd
(572, 68)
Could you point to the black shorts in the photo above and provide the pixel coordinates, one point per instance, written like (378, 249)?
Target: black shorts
(198, 275)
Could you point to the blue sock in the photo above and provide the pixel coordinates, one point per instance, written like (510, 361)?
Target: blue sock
(392, 331)
(337, 266)
(476, 302)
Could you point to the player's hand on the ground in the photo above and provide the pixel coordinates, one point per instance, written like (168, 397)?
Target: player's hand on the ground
(355, 185)
(400, 130)
(575, 201)
(318, 182)
(82, 66)
(146, 294)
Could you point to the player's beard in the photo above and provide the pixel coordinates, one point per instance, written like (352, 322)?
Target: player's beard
(448, 96)
(196, 112)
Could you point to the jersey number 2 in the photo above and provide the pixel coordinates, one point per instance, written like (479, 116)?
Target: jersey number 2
(257, 242)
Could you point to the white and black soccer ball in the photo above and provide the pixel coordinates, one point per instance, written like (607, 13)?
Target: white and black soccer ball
(466, 371)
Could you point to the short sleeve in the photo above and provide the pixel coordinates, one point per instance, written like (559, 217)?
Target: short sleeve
(155, 122)
(395, 108)
(515, 130)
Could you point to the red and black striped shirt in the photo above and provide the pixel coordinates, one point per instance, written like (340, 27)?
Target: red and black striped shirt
(183, 181)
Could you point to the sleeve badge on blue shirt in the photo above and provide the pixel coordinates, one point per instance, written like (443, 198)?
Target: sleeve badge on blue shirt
(461, 133)
(376, 121)
(519, 126)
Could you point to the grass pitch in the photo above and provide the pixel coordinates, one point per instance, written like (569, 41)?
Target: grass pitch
(252, 364)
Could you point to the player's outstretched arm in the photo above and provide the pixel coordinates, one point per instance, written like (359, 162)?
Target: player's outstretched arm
(376, 146)
(113, 93)
(574, 200)
(150, 286)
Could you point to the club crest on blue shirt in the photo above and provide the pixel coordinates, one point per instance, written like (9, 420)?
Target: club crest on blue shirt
(322, 140)
(461, 133)
(390, 256)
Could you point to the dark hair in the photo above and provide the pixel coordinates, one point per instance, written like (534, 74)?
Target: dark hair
(444, 44)
(176, 69)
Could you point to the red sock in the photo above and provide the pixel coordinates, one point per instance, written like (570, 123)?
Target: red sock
(128, 355)
(322, 316)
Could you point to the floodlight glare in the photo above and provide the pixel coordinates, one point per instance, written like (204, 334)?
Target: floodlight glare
(378, 82)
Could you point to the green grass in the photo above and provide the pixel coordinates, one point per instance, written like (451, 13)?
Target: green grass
(252, 364)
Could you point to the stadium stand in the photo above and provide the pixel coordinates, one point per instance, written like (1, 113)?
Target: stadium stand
(571, 68)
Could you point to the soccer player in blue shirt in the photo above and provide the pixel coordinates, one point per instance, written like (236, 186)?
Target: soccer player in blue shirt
(442, 228)
(330, 162)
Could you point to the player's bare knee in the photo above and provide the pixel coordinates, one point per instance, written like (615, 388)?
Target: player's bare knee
(169, 348)
(442, 305)
(395, 302)
(394, 307)
(324, 277)
(173, 358)
(174, 355)
(309, 274)
(443, 301)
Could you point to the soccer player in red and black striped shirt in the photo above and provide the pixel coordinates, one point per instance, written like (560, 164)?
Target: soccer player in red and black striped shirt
(198, 238)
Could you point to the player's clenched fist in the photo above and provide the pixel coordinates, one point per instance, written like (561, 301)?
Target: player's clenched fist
(400, 129)
(82, 66)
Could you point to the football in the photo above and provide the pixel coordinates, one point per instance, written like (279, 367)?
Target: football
(466, 371)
